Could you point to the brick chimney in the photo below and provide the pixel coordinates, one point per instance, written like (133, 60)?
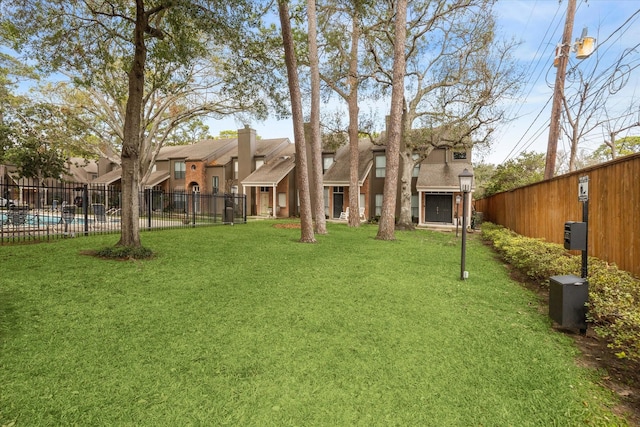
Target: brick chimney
(246, 161)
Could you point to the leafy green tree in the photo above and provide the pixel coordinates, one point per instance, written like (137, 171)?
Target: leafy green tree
(37, 143)
(622, 147)
(35, 137)
(482, 173)
(153, 48)
(457, 72)
(188, 133)
(527, 168)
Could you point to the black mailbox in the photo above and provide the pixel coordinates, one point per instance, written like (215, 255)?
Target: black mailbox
(575, 236)
(568, 296)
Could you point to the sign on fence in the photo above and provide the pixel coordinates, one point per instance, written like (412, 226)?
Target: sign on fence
(583, 188)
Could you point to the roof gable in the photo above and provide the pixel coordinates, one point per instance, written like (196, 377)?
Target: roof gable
(339, 172)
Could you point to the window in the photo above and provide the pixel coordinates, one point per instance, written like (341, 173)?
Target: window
(414, 205)
(234, 189)
(216, 184)
(379, 199)
(264, 189)
(259, 163)
(326, 163)
(459, 155)
(416, 168)
(338, 189)
(381, 165)
(282, 200)
(179, 169)
(179, 201)
(235, 169)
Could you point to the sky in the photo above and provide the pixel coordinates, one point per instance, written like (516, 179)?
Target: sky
(538, 26)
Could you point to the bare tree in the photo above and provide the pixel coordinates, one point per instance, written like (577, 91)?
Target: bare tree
(306, 220)
(341, 23)
(590, 102)
(166, 109)
(456, 74)
(615, 126)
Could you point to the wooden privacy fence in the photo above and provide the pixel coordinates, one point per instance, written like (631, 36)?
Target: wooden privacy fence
(540, 210)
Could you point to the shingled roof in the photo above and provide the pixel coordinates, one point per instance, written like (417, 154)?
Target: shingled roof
(274, 170)
(441, 177)
(338, 174)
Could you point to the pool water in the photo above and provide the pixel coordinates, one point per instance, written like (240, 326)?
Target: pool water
(35, 219)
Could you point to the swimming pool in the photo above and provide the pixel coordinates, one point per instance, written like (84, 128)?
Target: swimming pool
(39, 219)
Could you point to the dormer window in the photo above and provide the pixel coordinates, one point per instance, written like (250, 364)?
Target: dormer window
(381, 166)
(327, 161)
(416, 168)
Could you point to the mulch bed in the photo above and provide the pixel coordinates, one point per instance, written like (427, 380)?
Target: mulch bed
(622, 375)
(287, 225)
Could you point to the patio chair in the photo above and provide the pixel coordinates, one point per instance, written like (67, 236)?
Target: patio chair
(345, 215)
(99, 213)
(68, 216)
(17, 216)
(362, 217)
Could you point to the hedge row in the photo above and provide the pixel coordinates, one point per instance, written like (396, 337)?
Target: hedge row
(614, 295)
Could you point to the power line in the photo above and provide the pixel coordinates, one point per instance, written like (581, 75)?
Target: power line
(539, 57)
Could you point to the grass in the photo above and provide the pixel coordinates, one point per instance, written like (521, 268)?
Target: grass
(244, 326)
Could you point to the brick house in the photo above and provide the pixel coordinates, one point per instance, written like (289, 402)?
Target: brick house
(264, 171)
(336, 179)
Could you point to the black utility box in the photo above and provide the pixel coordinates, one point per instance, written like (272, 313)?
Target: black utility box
(575, 236)
(567, 298)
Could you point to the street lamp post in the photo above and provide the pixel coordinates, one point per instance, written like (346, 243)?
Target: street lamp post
(457, 213)
(466, 180)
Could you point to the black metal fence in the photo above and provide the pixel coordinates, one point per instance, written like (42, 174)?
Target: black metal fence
(39, 212)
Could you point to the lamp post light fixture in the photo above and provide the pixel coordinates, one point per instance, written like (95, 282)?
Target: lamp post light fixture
(457, 213)
(466, 180)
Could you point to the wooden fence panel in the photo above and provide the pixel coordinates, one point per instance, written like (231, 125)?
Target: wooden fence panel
(540, 210)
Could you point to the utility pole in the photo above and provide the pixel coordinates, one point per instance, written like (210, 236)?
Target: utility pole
(558, 92)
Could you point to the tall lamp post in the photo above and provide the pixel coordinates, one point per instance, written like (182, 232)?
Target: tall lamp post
(466, 180)
(457, 213)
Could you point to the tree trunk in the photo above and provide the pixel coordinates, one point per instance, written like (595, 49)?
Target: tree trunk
(386, 229)
(130, 227)
(574, 150)
(306, 221)
(352, 102)
(316, 143)
(407, 164)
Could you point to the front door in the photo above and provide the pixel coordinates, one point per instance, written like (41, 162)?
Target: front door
(439, 208)
(338, 200)
(264, 203)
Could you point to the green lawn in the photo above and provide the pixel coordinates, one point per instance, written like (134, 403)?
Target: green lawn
(244, 326)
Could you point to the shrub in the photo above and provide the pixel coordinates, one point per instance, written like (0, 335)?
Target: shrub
(614, 295)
